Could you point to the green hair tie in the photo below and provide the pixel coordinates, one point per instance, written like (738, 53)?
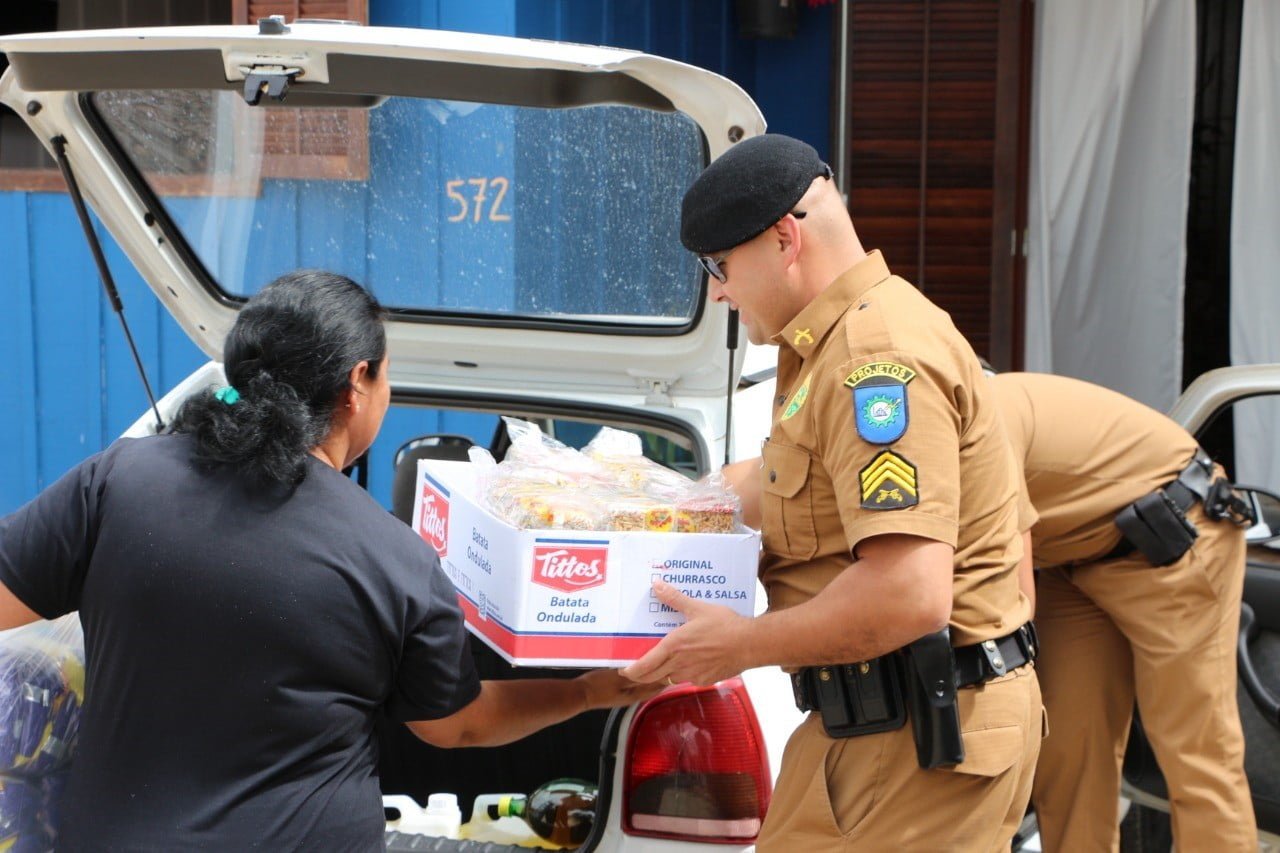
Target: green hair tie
(227, 395)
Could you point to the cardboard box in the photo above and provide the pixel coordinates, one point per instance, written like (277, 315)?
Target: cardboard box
(571, 597)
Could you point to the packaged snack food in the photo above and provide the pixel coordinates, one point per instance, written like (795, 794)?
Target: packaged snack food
(610, 485)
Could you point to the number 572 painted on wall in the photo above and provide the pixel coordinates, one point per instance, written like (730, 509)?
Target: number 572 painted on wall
(483, 186)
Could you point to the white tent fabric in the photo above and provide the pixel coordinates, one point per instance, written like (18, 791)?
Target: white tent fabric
(1255, 248)
(1110, 165)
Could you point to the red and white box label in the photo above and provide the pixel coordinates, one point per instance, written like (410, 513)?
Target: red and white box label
(568, 565)
(433, 515)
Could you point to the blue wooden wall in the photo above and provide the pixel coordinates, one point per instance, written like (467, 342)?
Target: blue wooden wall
(66, 375)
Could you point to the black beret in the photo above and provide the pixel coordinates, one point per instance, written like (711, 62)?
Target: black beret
(748, 188)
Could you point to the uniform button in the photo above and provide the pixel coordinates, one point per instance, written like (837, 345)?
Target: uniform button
(989, 645)
(773, 476)
(864, 668)
(997, 662)
(824, 674)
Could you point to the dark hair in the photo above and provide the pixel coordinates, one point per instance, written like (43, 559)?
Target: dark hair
(289, 355)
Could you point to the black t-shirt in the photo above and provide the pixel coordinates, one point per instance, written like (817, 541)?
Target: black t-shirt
(239, 645)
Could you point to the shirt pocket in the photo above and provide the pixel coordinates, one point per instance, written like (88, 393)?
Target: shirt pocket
(786, 506)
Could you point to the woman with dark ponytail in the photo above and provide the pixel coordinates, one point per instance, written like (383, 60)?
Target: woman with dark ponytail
(249, 611)
(288, 359)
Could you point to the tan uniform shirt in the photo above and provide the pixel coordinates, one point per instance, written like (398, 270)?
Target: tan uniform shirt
(885, 424)
(1086, 452)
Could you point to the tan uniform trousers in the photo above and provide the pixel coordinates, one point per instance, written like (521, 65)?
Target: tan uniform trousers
(1167, 635)
(869, 793)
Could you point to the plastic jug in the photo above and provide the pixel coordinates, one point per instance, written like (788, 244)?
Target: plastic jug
(441, 817)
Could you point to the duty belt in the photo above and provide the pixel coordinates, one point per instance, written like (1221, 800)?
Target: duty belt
(1194, 483)
(974, 664)
(1163, 537)
(993, 658)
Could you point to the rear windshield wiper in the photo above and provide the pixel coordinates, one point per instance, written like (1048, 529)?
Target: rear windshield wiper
(108, 283)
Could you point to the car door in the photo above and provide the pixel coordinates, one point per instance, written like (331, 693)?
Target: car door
(1235, 412)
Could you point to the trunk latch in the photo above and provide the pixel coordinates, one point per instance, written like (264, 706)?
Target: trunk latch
(270, 80)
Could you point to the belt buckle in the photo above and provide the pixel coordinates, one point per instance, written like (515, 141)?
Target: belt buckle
(995, 660)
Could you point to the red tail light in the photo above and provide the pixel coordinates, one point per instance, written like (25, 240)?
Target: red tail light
(696, 766)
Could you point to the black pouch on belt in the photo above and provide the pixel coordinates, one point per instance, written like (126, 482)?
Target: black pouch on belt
(859, 698)
(1157, 527)
(931, 693)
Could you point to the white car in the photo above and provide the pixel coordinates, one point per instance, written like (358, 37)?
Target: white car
(515, 203)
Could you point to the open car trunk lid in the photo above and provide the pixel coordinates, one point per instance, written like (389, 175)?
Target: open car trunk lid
(515, 203)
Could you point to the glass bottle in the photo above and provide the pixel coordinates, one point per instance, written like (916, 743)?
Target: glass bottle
(561, 811)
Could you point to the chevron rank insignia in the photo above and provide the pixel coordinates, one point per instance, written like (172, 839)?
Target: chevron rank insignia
(880, 400)
(889, 482)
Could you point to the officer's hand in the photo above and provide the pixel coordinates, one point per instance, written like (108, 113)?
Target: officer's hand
(608, 688)
(709, 647)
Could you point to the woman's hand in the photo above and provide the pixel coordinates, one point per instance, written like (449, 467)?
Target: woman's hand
(608, 688)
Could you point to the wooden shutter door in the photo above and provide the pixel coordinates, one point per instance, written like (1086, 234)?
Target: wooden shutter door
(936, 126)
(312, 143)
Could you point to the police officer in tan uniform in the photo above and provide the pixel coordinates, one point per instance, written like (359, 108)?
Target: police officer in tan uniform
(889, 514)
(1115, 627)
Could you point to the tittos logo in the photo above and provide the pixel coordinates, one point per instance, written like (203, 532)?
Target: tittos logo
(570, 567)
(433, 523)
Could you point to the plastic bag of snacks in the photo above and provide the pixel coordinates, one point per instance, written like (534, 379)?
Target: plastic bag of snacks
(611, 485)
(41, 694)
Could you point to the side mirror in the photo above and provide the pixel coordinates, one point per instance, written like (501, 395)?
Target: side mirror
(1266, 508)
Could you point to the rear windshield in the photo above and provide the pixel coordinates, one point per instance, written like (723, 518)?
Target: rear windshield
(437, 206)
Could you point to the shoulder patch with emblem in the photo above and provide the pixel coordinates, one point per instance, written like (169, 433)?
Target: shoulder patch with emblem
(797, 399)
(880, 400)
(889, 482)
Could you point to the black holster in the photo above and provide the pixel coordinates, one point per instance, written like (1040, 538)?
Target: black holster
(918, 681)
(930, 681)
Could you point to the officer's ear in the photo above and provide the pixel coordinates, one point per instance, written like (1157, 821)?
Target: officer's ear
(787, 237)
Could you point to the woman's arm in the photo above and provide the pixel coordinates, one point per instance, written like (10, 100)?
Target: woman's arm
(13, 613)
(507, 711)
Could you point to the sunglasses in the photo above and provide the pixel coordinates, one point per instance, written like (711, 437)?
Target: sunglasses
(713, 265)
